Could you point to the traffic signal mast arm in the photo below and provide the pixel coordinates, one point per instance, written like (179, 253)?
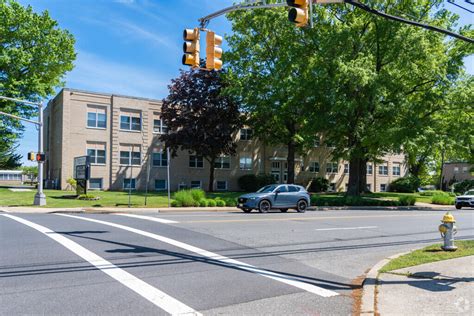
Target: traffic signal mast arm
(262, 4)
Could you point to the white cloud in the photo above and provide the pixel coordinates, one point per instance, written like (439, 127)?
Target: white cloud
(95, 73)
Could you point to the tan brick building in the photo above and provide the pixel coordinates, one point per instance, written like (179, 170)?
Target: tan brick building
(121, 135)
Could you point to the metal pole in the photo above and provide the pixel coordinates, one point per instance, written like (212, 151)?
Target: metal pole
(168, 175)
(40, 198)
(147, 179)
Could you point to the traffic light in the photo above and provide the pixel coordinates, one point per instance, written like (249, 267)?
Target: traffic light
(40, 157)
(32, 156)
(213, 51)
(191, 47)
(299, 13)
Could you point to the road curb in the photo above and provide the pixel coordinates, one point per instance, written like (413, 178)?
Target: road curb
(368, 301)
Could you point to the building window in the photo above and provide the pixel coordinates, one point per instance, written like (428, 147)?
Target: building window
(129, 184)
(456, 169)
(369, 187)
(130, 122)
(464, 169)
(314, 166)
(346, 168)
(96, 117)
(275, 166)
(196, 184)
(317, 142)
(182, 186)
(332, 187)
(95, 184)
(196, 161)
(221, 185)
(96, 152)
(246, 134)
(396, 170)
(332, 167)
(370, 169)
(383, 170)
(383, 187)
(222, 162)
(129, 157)
(245, 163)
(160, 159)
(160, 185)
(159, 127)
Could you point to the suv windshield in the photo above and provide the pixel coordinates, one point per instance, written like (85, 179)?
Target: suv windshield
(470, 192)
(267, 189)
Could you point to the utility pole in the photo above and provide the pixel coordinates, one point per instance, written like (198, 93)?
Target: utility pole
(40, 197)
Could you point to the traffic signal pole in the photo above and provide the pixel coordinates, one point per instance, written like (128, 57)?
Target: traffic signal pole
(40, 197)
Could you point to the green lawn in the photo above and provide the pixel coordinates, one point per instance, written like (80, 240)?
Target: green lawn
(430, 254)
(395, 196)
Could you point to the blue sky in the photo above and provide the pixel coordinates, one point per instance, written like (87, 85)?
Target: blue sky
(133, 47)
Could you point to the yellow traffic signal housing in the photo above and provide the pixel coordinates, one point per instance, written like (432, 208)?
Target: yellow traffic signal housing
(191, 47)
(213, 51)
(32, 156)
(299, 13)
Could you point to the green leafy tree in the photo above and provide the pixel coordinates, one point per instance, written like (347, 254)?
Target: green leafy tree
(200, 119)
(34, 56)
(370, 83)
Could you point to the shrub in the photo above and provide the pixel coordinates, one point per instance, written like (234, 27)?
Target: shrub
(319, 184)
(198, 194)
(251, 182)
(184, 197)
(230, 202)
(442, 199)
(88, 197)
(463, 186)
(203, 203)
(338, 200)
(405, 185)
(220, 203)
(211, 203)
(176, 203)
(72, 182)
(433, 192)
(407, 200)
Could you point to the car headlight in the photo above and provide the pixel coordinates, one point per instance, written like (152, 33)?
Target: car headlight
(252, 198)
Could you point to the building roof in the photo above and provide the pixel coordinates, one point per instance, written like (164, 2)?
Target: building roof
(108, 94)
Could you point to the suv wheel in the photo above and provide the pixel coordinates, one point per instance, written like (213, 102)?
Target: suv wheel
(458, 206)
(264, 206)
(301, 206)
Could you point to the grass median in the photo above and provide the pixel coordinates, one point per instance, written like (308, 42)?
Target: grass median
(430, 254)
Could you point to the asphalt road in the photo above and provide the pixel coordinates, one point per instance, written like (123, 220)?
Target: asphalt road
(208, 263)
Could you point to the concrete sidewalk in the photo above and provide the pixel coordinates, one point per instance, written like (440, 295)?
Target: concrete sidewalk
(439, 288)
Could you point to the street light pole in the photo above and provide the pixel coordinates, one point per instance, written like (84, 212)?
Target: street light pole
(40, 198)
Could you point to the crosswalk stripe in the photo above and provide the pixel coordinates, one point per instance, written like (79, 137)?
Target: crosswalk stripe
(152, 294)
(222, 259)
(149, 218)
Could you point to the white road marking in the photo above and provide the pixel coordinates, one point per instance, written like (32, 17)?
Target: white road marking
(346, 228)
(150, 218)
(155, 296)
(214, 256)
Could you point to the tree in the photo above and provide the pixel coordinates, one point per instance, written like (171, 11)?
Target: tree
(199, 118)
(371, 83)
(8, 159)
(34, 56)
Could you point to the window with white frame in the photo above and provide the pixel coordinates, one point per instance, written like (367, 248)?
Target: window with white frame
(96, 152)
(96, 117)
(332, 167)
(129, 183)
(246, 134)
(383, 170)
(465, 169)
(314, 166)
(383, 187)
(370, 169)
(160, 185)
(95, 184)
(159, 126)
(317, 141)
(456, 169)
(160, 159)
(130, 155)
(332, 187)
(196, 161)
(396, 170)
(222, 162)
(221, 185)
(245, 163)
(346, 168)
(276, 166)
(196, 184)
(130, 121)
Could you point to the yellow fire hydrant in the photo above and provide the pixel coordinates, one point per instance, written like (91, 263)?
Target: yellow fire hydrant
(448, 230)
